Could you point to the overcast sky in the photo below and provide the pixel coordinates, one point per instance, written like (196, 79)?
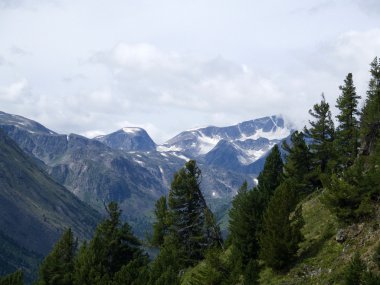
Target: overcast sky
(91, 66)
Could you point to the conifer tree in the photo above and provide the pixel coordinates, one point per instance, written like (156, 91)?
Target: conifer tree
(298, 165)
(248, 208)
(161, 225)
(58, 266)
(348, 196)
(251, 273)
(370, 119)
(281, 231)
(272, 174)
(347, 134)
(167, 265)
(322, 134)
(245, 221)
(188, 211)
(111, 250)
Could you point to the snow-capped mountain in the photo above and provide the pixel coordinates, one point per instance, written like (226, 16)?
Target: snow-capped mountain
(129, 139)
(126, 166)
(233, 146)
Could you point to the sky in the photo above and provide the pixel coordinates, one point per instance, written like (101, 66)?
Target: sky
(92, 67)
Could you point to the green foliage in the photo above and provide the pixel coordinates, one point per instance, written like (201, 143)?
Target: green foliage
(190, 219)
(298, 164)
(109, 254)
(212, 271)
(349, 196)
(16, 278)
(251, 273)
(271, 176)
(347, 134)
(322, 134)
(355, 271)
(166, 267)
(58, 266)
(282, 223)
(245, 221)
(376, 256)
(370, 119)
(161, 225)
(185, 230)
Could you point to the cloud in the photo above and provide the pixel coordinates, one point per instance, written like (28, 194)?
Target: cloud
(28, 4)
(169, 79)
(369, 6)
(15, 92)
(19, 51)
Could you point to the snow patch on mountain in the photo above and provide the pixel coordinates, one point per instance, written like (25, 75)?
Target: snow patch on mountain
(131, 130)
(205, 143)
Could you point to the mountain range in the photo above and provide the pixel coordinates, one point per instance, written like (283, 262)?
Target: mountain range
(34, 211)
(128, 167)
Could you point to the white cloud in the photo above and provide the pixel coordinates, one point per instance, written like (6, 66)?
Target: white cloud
(168, 66)
(369, 6)
(178, 80)
(15, 91)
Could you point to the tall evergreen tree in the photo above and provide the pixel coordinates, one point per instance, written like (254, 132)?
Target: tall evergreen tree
(347, 134)
(282, 223)
(298, 165)
(322, 134)
(272, 174)
(111, 250)
(245, 220)
(161, 225)
(58, 266)
(370, 119)
(248, 208)
(188, 211)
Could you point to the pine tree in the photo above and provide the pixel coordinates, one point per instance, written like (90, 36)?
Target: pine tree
(245, 221)
(347, 134)
(58, 266)
(298, 165)
(212, 230)
(248, 208)
(350, 195)
(281, 231)
(271, 175)
(322, 134)
(166, 267)
(188, 213)
(251, 273)
(161, 225)
(112, 248)
(370, 119)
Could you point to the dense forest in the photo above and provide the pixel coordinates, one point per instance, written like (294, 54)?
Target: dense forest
(312, 218)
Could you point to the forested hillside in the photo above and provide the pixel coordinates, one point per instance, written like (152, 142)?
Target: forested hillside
(313, 217)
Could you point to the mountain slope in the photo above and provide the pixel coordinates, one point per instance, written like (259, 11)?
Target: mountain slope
(200, 141)
(129, 139)
(123, 167)
(34, 209)
(236, 148)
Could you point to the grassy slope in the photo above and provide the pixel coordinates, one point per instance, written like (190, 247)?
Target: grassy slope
(321, 259)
